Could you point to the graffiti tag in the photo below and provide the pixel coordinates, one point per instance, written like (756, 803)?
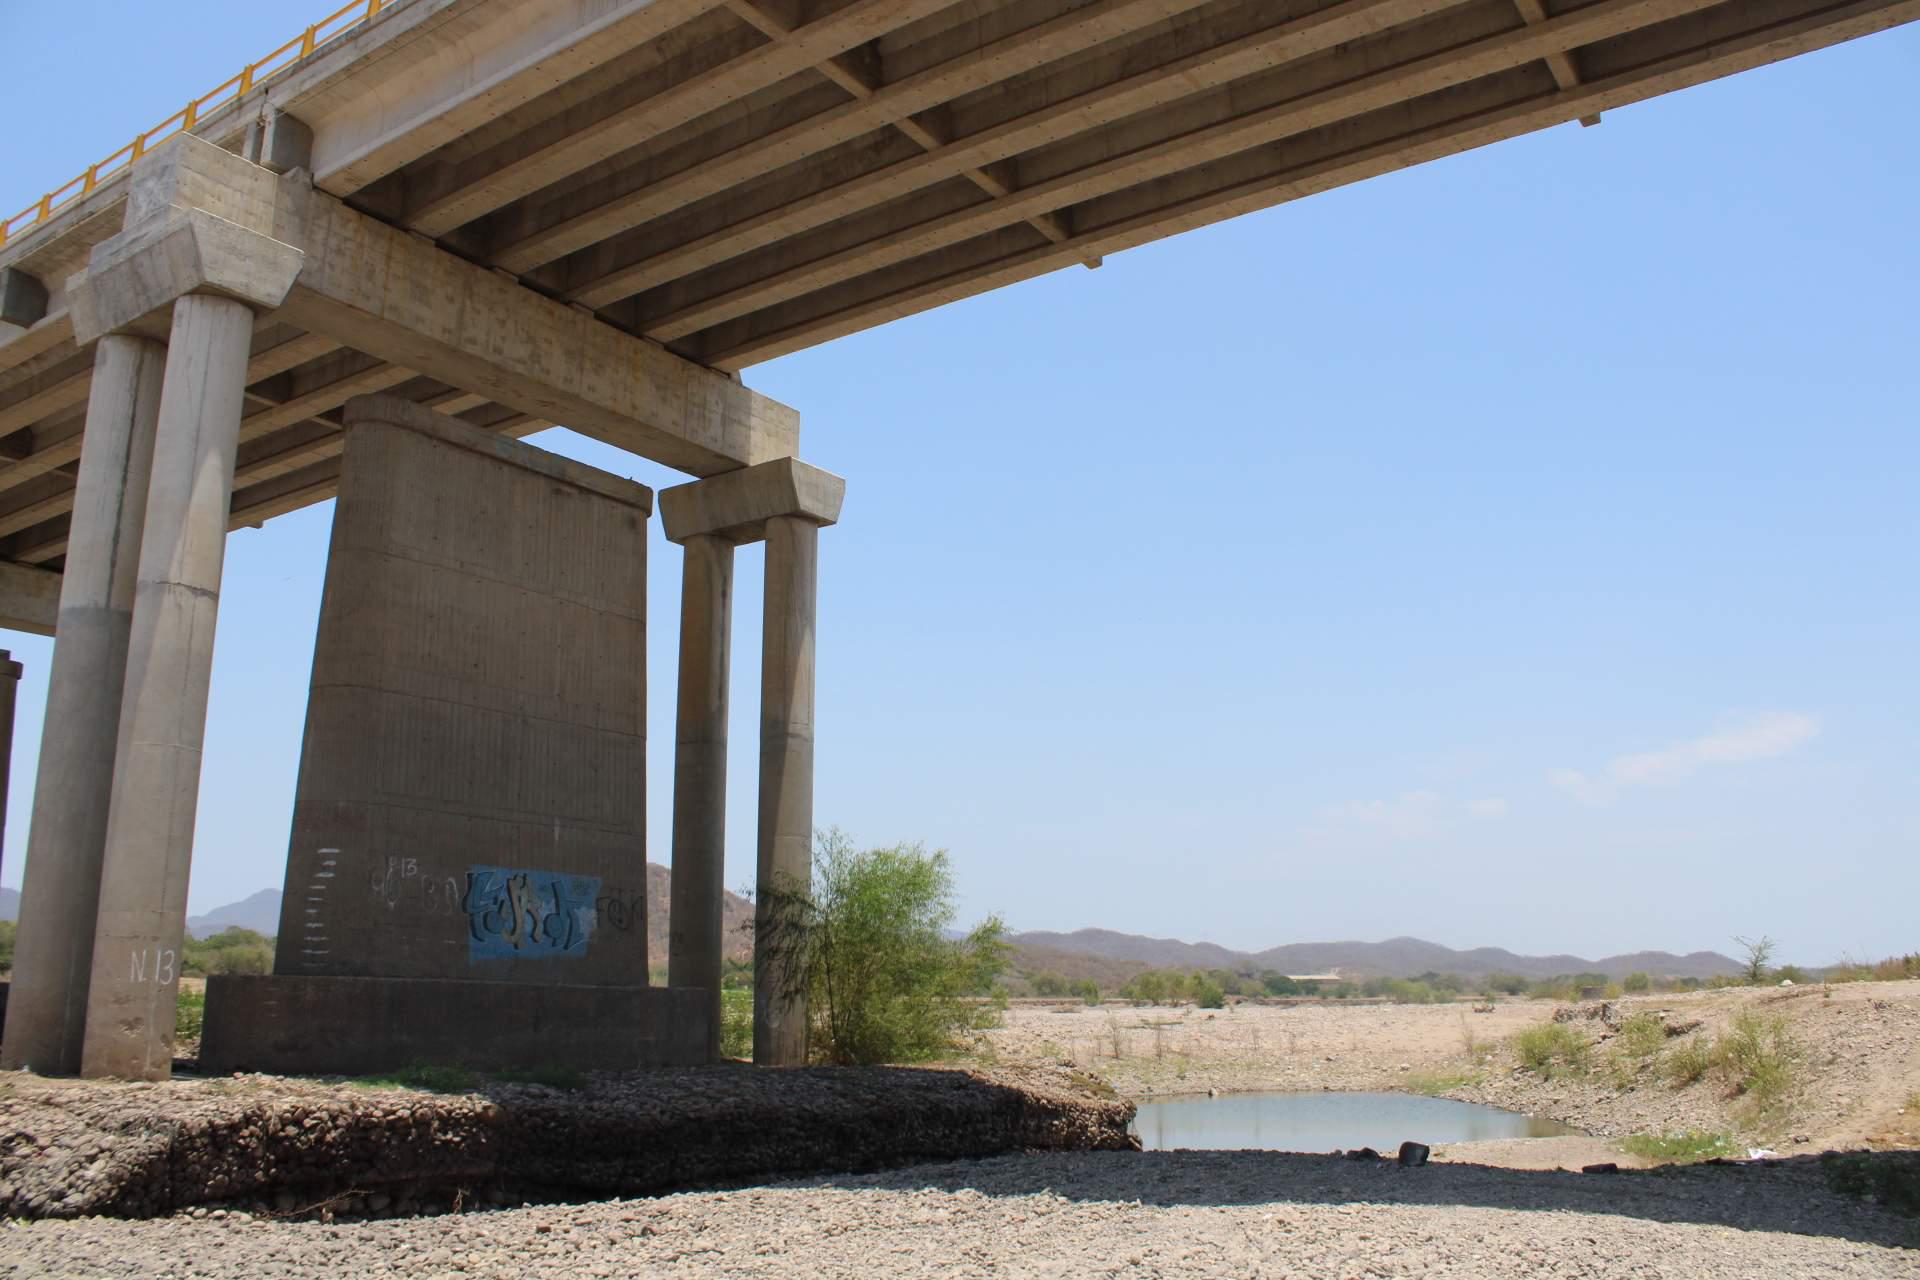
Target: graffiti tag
(516, 913)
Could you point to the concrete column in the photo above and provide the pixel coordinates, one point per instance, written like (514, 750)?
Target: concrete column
(9, 690)
(60, 898)
(156, 785)
(783, 503)
(696, 930)
(786, 777)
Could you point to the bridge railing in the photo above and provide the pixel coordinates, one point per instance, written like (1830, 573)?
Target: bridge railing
(287, 56)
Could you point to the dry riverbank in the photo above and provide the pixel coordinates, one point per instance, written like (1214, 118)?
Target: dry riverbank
(75, 1147)
(1856, 1068)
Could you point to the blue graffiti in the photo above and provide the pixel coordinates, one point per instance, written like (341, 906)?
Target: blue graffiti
(514, 913)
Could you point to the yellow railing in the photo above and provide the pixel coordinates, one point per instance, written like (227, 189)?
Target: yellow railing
(287, 55)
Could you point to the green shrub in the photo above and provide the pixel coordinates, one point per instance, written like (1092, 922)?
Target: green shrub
(427, 1076)
(1505, 984)
(736, 1022)
(1680, 1148)
(1553, 1049)
(1642, 1035)
(1757, 1058)
(869, 949)
(1047, 984)
(7, 928)
(1207, 993)
(1637, 983)
(1088, 990)
(1688, 1061)
(234, 950)
(189, 1015)
(1435, 1083)
(1279, 984)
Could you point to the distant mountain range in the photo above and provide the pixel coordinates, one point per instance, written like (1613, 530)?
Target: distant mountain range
(1076, 955)
(1106, 956)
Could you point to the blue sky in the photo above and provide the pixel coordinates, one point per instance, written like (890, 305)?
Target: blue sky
(1519, 550)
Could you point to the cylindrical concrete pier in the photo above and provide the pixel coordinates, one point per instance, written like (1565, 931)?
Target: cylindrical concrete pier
(10, 672)
(149, 850)
(696, 932)
(60, 896)
(786, 783)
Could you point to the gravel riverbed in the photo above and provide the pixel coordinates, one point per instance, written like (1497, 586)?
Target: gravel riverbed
(1240, 1214)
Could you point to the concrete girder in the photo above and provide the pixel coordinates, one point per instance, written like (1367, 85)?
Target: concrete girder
(46, 498)
(1565, 73)
(637, 194)
(457, 193)
(1644, 68)
(908, 234)
(388, 120)
(1027, 116)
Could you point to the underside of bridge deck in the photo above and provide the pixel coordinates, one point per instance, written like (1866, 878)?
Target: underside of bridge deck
(738, 179)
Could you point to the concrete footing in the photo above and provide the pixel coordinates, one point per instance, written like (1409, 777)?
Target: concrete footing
(297, 1025)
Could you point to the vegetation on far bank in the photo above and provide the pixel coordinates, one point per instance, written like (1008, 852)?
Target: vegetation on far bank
(1754, 1060)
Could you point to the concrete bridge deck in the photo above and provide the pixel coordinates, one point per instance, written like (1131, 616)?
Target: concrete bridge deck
(733, 180)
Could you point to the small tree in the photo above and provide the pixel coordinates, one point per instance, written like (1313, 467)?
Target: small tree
(1279, 984)
(883, 980)
(1638, 982)
(1046, 983)
(1088, 990)
(1758, 952)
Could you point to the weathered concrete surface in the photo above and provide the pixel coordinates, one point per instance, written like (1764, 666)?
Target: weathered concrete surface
(198, 219)
(737, 506)
(472, 792)
(23, 301)
(697, 931)
(60, 894)
(784, 503)
(786, 780)
(94, 1148)
(358, 1026)
(29, 598)
(163, 717)
(376, 288)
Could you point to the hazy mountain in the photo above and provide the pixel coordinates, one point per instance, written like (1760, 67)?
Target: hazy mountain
(1395, 958)
(9, 904)
(260, 913)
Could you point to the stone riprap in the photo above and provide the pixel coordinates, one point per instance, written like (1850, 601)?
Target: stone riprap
(73, 1148)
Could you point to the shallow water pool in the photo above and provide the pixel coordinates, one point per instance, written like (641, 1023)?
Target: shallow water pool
(1326, 1122)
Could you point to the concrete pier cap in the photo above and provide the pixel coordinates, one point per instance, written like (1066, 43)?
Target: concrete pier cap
(199, 220)
(736, 505)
